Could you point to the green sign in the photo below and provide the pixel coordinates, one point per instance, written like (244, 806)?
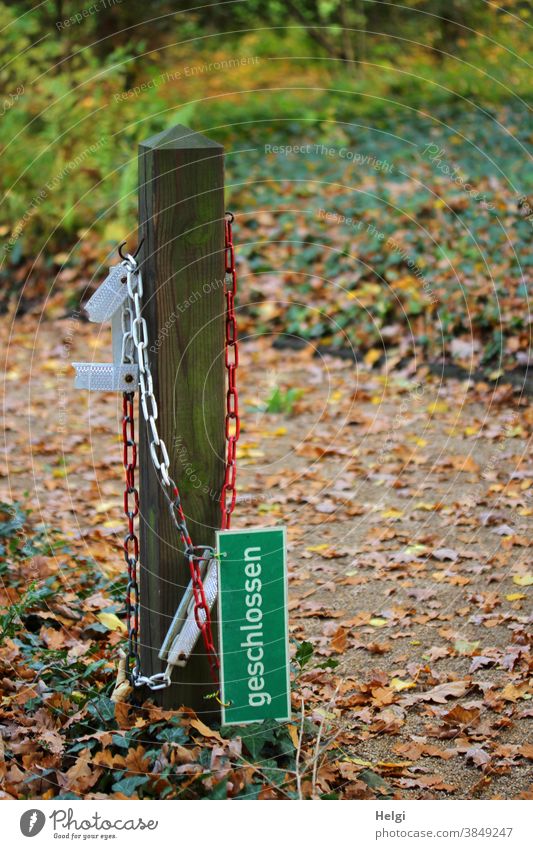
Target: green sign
(253, 626)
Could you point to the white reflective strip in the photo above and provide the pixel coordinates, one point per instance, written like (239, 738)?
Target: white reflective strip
(106, 377)
(117, 337)
(109, 296)
(186, 638)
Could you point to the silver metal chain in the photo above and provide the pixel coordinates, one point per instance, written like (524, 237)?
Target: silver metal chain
(158, 449)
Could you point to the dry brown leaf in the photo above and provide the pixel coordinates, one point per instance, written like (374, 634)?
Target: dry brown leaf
(439, 694)
(511, 693)
(125, 715)
(527, 751)
(205, 731)
(339, 640)
(136, 762)
(461, 716)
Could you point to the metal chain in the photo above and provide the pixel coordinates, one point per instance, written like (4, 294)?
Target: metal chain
(131, 541)
(135, 340)
(231, 358)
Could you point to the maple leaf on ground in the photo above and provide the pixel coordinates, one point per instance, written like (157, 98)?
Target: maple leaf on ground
(136, 762)
(479, 756)
(52, 741)
(339, 640)
(80, 777)
(527, 751)
(438, 694)
(445, 554)
(459, 715)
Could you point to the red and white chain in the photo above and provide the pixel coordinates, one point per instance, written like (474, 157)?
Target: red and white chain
(231, 358)
(131, 540)
(135, 336)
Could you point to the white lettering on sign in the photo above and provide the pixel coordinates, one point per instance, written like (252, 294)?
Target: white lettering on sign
(254, 642)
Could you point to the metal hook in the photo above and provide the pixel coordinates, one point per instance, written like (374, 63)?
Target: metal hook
(231, 216)
(139, 246)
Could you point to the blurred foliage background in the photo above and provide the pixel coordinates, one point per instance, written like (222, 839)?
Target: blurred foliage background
(436, 95)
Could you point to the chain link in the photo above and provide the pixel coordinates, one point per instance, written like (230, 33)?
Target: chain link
(131, 540)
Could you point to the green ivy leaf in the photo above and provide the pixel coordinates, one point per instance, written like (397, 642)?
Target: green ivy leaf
(129, 785)
(304, 654)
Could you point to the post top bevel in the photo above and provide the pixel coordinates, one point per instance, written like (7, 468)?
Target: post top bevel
(180, 138)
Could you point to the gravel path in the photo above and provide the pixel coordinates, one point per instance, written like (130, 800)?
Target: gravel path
(408, 504)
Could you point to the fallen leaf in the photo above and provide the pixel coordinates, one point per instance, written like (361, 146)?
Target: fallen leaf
(398, 684)
(445, 554)
(523, 580)
(339, 640)
(479, 756)
(205, 731)
(439, 694)
(111, 622)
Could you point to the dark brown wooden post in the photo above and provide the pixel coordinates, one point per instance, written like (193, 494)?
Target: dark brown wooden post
(181, 219)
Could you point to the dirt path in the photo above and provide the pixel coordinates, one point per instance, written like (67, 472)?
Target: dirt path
(408, 507)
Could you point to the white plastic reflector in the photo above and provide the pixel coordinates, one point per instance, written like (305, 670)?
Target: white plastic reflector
(106, 377)
(183, 633)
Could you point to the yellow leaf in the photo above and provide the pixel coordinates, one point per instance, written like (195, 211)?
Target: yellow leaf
(393, 513)
(437, 407)
(114, 232)
(377, 622)
(249, 450)
(321, 547)
(61, 258)
(515, 596)
(523, 580)
(104, 506)
(111, 622)
(392, 764)
(293, 734)
(358, 761)
(416, 548)
(372, 356)
(399, 685)
(324, 713)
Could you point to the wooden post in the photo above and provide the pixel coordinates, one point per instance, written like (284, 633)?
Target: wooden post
(181, 219)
